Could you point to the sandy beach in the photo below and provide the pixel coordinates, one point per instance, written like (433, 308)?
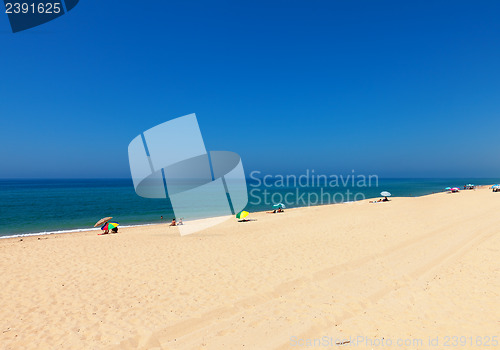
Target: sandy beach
(414, 272)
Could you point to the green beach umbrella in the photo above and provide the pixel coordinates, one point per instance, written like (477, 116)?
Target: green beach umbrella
(242, 214)
(279, 206)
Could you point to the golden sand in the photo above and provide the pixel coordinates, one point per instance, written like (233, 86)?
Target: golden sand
(362, 274)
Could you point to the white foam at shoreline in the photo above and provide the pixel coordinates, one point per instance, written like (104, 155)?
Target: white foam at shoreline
(192, 226)
(67, 231)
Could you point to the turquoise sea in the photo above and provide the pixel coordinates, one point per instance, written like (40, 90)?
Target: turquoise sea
(48, 206)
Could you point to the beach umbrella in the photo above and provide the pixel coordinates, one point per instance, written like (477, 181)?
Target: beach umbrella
(242, 214)
(279, 206)
(102, 221)
(109, 226)
(455, 189)
(448, 189)
(385, 194)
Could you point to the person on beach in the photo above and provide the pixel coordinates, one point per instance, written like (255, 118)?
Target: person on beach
(179, 222)
(385, 199)
(279, 210)
(161, 217)
(104, 232)
(115, 230)
(173, 223)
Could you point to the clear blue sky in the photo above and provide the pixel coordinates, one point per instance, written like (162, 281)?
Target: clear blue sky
(395, 88)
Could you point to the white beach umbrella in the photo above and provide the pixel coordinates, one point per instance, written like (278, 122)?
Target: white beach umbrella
(385, 194)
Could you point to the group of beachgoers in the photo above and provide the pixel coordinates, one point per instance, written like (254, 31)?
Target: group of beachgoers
(174, 222)
(381, 200)
(107, 226)
(179, 222)
(113, 230)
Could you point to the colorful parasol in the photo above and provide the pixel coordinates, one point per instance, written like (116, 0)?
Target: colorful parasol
(109, 226)
(242, 214)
